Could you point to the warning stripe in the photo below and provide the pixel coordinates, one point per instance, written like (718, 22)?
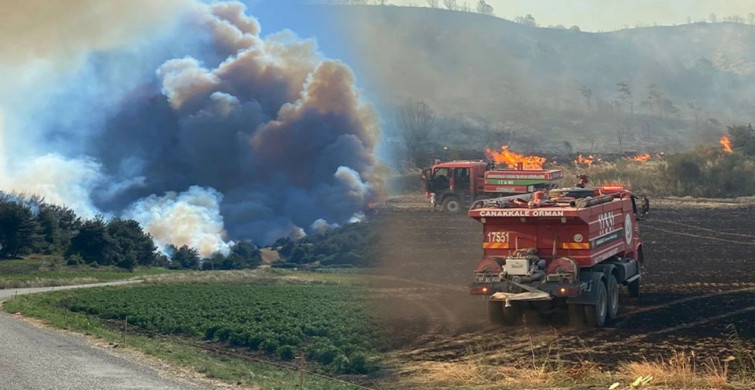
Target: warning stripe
(575, 245)
(495, 245)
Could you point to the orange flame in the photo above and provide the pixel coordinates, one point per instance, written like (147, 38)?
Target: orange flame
(586, 161)
(726, 143)
(641, 157)
(511, 159)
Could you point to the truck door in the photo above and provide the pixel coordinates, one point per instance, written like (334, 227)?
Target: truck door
(440, 180)
(462, 184)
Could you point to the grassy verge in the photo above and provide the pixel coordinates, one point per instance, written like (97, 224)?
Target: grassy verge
(47, 271)
(680, 371)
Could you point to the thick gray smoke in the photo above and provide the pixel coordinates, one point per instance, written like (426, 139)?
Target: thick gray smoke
(239, 137)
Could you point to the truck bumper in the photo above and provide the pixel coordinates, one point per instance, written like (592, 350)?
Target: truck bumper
(525, 296)
(507, 290)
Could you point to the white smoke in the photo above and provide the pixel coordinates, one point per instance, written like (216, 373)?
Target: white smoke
(188, 218)
(320, 225)
(57, 179)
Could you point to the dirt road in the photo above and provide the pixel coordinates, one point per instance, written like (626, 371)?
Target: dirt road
(698, 294)
(37, 358)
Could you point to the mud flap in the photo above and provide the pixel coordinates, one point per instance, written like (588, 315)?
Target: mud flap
(625, 267)
(590, 296)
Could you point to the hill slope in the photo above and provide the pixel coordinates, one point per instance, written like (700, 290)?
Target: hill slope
(686, 83)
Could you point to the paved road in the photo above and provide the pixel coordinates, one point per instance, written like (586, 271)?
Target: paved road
(34, 358)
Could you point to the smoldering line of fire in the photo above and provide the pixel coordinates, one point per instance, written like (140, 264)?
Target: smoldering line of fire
(271, 140)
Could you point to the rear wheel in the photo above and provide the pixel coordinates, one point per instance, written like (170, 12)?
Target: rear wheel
(634, 288)
(452, 205)
(613, 297)
(595, 315)
(495, 312)
(576, 315)
(500, 314)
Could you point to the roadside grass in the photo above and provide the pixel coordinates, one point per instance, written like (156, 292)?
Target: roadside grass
(547, 370)
(228, 367)
(48, 271)
(674, 373)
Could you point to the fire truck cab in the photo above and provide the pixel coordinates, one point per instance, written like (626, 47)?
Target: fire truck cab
(455, 185)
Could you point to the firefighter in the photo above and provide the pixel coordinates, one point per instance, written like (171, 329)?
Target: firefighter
(582, 181)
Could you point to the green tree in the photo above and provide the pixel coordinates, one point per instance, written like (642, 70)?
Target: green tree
(94, 243)
(250, 256)
(19, 229)
(137, 248)
(58, 224)
(215, 261)
(187, 257)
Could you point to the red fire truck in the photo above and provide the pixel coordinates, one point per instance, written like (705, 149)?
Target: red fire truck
(454, 185)
(569, 249)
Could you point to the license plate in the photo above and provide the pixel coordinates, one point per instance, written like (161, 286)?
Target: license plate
(488, 279)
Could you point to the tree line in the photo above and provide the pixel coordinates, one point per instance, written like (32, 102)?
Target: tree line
(349, 245)
(30, 225)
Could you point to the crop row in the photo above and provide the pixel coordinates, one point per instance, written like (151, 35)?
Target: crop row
(331, 324)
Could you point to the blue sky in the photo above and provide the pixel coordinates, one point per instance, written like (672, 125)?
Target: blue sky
(304, 20)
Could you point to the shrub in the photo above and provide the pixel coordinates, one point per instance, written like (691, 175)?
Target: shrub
(286, 352)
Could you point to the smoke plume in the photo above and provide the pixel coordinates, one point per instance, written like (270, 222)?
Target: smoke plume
(190, 218)
(218, 134)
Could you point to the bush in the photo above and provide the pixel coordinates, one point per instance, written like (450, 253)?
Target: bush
(286, 352)
(75, 259)
(270, 345)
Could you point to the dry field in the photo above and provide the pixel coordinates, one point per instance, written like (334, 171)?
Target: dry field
(693, 319)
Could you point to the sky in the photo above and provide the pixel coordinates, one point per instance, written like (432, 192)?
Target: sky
(609, 15)
(298, 16)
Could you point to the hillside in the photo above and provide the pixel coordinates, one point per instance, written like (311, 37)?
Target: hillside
(488, 79)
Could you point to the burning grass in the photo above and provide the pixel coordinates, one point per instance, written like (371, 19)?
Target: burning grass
(726, 143)
(707, 172)
(512, 159)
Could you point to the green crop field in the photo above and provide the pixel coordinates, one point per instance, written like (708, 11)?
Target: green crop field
(329, 324)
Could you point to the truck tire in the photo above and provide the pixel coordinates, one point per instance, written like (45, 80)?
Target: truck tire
(498, 313)
(495, 312)
(576, 315)
(595, 315)
(612, 289)
(512, 315)
(452, 205)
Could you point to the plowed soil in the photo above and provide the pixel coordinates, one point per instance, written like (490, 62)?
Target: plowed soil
(698, 293)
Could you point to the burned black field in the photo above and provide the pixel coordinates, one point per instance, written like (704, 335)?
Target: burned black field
(697, 297)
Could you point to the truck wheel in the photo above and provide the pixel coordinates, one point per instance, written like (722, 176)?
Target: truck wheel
(595, 315)
(634, 288)
(512, 315)
(452, 205)
(499, 314)
(576, 315)
(613, 296)
(495, 312)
